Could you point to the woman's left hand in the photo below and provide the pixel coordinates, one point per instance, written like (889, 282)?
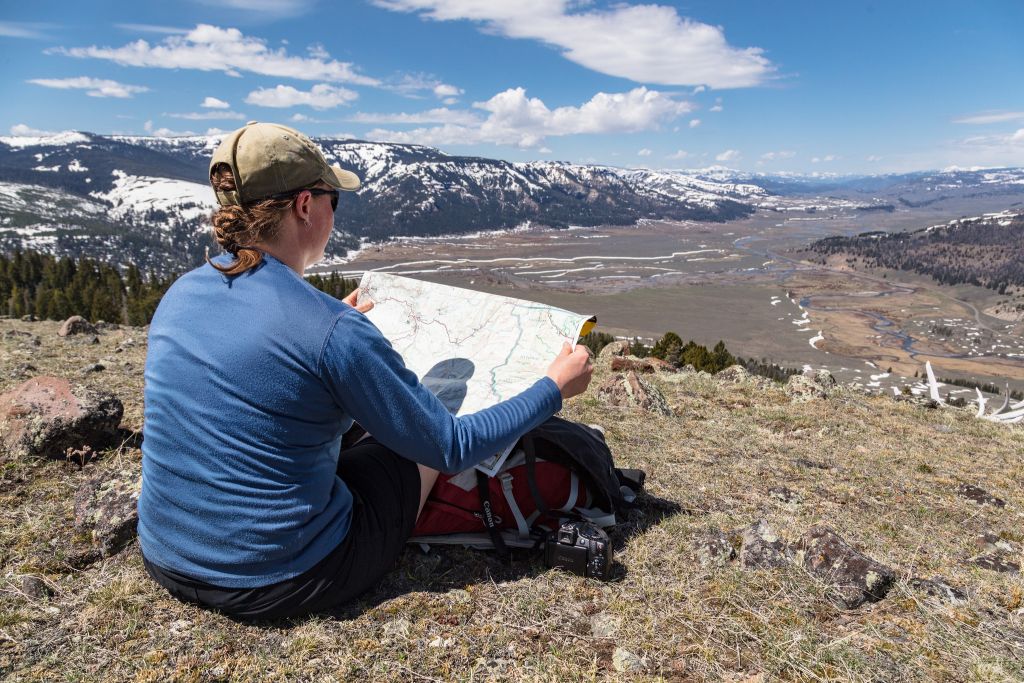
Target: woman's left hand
(353, 297)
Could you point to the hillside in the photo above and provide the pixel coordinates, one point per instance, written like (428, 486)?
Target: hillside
(986, 251)
(897, 481)
(146, 199)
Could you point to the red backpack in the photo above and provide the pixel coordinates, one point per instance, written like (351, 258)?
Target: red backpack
(560, 470)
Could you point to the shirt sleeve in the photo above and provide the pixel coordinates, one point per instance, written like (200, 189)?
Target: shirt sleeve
(371, 383)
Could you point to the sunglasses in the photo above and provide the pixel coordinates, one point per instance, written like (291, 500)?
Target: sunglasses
(315, 191)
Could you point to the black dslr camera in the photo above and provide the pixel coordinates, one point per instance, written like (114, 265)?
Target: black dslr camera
(580, 547)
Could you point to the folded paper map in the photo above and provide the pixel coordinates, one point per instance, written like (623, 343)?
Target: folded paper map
(471, 349)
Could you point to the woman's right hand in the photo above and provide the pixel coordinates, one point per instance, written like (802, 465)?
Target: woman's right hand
(571, 370)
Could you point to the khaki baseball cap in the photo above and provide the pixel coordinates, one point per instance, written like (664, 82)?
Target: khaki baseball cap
(268, 159)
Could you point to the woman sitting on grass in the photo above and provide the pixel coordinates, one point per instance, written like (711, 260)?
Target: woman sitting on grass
(252, 378)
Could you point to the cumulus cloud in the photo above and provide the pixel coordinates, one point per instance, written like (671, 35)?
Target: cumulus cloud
(717, 106)
(644, 43)
(208, 116)
(214, 103)
(512, 118)
(781, 154)
(694, 123)
(728, 155)
(438, 115)
(991, 117)
(1017, 137)
(302, 118)
(644, 152)
(211, 48)
(320, 96)
(678, 154)
(826, 158)
(446, 90)
(872, 158)
(94, 87)
(23, 130)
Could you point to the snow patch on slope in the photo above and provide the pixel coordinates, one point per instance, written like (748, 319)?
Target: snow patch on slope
(138, 195)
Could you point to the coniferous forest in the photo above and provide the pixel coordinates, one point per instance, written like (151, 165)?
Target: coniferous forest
(47, 287)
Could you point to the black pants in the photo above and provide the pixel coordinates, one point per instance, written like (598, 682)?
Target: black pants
(385, 499)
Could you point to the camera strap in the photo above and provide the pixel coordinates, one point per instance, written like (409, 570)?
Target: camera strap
(529, 449)
(484, 489)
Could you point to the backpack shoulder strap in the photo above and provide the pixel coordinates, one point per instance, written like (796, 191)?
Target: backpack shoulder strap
(483, 487)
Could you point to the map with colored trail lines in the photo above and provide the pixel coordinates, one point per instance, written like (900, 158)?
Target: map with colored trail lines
(470, 348)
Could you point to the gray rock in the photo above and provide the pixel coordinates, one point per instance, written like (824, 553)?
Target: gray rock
(854, 578)
(76, 324)
(22, 371)
(979, 495)
(733, 373)
(35, 588)
(615, 348)
(641, 365)
(996, 562)
(994, 543)
(46, 416)
(762, 548)
(105, 507)
(625, 661)
(629, 390)
(604, 625)
(811, 385)
(781, 493)
(813, 464)
(93, 367)
(938, 587)
(714, 549)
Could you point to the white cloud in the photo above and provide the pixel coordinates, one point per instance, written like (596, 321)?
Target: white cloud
(644, 152)
(545, 150)
(698, 90)
(1017, 137)
(991, 117)
(515, 119)
(208, 116)
(781, 154)
(22, 130)
(302, 118)
(320, 96)
(439, 115)
(644, 43)
(872, 158)
(270, 8)
(445, 90)
(23, 29)
(211, 48)
(678, 154)
(214, 103)
(153, 28)
(826, 158)
(694, 123)
(450, 100)
(318, 51)
(94, 87)
(728, 155)
(716, 108)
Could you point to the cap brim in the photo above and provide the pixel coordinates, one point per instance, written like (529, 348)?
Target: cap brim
(343, 180)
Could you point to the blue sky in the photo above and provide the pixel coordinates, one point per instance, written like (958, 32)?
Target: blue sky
(813, 87)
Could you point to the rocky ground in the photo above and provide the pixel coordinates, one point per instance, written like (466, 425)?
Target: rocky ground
(803, 532)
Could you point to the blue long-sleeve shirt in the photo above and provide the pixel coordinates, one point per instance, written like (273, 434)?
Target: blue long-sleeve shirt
(250, 383)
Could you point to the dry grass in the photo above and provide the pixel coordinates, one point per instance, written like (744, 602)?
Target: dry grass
(459, 615)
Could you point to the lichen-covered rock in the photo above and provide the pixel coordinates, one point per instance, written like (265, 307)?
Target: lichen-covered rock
(624, 661)
(46, 416)
(979, 495)
(762, 548)
(938, 587)
(615, 348)
(630, 391)
(996, 562)
(854, 578)
(105, 507)
(713, 549)
(811, 384)
(733, 373)
(641, 365)
(785, 495)
(76, 324)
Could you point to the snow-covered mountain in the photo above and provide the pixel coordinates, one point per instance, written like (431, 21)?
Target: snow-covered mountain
(147, 200)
